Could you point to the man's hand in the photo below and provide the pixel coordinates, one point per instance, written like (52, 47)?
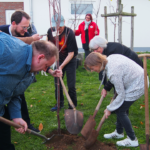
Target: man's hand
(57, 73)
(107, 113)
(21, 122)
(104, 93)
(36, 37)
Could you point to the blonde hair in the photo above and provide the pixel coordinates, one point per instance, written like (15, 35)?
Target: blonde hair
(95, 59)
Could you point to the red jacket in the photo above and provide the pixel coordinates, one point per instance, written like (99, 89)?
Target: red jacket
(91, 31)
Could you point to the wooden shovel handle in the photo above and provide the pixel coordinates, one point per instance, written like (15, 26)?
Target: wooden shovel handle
(13, 124)
(98, 106)
(104, 116)
(146, 98)
(67, 95)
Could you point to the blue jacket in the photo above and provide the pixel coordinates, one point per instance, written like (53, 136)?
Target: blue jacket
(15, 76)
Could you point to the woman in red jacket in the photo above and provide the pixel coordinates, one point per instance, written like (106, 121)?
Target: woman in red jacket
(88, 29)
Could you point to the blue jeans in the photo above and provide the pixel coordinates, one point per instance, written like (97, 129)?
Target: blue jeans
(123, 120)
(70, 70)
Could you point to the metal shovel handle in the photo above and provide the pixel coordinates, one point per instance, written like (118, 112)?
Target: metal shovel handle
(67, 95)
(10, 123)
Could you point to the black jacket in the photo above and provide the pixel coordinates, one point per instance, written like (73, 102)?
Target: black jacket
(117, 48)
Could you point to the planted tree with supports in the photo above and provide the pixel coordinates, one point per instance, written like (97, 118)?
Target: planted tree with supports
(55, 8)
(120, 14)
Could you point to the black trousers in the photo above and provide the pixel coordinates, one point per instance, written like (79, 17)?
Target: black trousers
(24, 110)
(123, 120)
(70, 70)
(5, 134)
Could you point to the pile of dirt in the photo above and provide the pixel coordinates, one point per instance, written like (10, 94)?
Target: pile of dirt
(75, 142)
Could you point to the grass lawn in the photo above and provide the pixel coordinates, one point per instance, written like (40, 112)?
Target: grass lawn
(40, 99)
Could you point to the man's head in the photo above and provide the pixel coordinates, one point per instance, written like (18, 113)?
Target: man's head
(97, 44)
(58, 21)
(20, 22)
(44, 55)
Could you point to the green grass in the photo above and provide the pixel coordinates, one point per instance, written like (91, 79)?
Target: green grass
(40, 96)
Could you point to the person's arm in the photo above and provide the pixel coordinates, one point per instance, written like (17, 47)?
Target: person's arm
(21, 122)
(54, 73)
(97, 31)
(78, 31)
(67, 60)
(107, 87)
(116, 79)
(14, 107)
(29, 40)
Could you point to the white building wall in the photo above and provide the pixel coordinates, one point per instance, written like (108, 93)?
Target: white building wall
(41, 18)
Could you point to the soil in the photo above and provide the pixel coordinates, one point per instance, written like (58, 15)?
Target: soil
(74, 142)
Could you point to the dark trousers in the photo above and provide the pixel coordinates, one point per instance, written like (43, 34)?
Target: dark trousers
(24, 110)
(70, 70)
(5, 134)
(123, 120)
(87, 52)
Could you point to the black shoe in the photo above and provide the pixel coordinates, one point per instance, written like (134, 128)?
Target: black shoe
(32, 128)
(55, 108)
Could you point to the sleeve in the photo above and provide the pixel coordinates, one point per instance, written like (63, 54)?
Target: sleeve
(50, 36)
(27, 40)
(78, 32)
(118, 83)
(71, 42)
(97, 29)
(108, 86)
(14, 107)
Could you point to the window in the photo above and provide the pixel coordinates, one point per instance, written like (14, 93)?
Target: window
(81, 8)
(8, 15)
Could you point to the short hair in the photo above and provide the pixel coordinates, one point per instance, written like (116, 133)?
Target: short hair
(45, 47)
(95, 59)
(98, 41)
(91, 18)
(18, 15)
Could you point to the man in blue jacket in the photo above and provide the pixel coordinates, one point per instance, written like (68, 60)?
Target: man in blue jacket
(18, 61)
(19, 24)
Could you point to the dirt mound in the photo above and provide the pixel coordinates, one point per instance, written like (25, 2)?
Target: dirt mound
(74, 142)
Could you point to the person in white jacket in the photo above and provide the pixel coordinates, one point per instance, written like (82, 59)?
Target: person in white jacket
(128, 79)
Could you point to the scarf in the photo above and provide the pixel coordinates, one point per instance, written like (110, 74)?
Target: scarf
(87, 24)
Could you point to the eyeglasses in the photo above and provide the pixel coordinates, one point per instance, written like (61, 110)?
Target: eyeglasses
(87, 17)
(25, 28)
(92, 50)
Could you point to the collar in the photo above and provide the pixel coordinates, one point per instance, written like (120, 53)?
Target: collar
(10, 30)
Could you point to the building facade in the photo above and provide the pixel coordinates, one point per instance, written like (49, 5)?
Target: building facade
(40, 16)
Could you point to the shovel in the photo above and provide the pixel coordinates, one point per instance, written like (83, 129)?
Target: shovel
(146, 146)
(91, 123)
(73, 117)
(8, 122)
(94, 133)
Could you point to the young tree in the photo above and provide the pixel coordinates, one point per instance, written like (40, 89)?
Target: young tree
(55, 7)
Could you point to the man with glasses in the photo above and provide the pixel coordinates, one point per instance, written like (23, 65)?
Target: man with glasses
(24, 59)
(19, 24)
